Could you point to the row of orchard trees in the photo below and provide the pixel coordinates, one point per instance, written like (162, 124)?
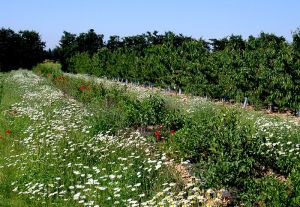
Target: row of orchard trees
(266, 69)
(23, 49)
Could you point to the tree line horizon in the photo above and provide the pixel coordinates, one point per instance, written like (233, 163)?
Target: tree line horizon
(266, 68)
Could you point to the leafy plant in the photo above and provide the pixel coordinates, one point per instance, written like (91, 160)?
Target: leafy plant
(49, 69)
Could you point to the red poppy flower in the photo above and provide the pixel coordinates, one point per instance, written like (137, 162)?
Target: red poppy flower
(58, 78)
(82, 88)
(157, 134)
(172, 131)
(1, 137)
(7, 131)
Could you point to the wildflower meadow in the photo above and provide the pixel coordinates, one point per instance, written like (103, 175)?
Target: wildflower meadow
(78, 140)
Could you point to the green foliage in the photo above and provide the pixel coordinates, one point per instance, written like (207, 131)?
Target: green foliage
(23, 49)
(220, 141)
(71, 44)
(49, 69)
(154, 110)
(111, 120)
(266, 191)
(265, 69)
(114, 107)
(294, 181)
(80, 63)
(229, 149)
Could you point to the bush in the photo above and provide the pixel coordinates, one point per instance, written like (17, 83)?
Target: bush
(110, 119)
(266, 191)
(294, 180)
(220, 142)
(49, 69)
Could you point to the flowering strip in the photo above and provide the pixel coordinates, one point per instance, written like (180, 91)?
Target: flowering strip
(63, 160)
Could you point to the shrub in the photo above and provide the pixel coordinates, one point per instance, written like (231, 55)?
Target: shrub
(49, 69)
(220, 141)
(294, 180)
(153, 110)
(266, 191)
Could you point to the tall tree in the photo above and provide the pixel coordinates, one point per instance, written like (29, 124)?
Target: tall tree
(89, 42)
(32, 48)
(9, 45)
(114, 43)
(23, 49)
(296, 41)
(70, 44)
(66, 49)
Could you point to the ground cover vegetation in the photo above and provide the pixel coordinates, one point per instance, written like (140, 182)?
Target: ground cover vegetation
(252, 156)
(55, 154)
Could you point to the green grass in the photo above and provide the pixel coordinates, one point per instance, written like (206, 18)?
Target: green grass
(7, 175)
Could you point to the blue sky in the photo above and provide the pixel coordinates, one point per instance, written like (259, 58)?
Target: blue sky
(196, 18)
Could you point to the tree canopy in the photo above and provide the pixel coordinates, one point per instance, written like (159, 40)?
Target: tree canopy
(266, 69)
(22, 49)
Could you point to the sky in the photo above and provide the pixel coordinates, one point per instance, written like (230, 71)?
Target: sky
(196, 18)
